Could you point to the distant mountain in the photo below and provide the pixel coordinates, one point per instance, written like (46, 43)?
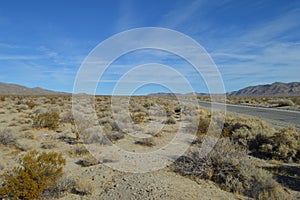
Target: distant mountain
(14, 89)
(165, 94)
(274, 89)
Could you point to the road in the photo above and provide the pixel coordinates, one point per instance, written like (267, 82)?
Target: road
(275, 116)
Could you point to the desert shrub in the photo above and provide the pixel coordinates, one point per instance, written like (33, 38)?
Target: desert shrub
(67, 117)
(115, 137)
(49, 120)
(94, 135)
(282, 102)
(48, 145)
(7, 137)
(21, 107)
(31, 104)
(114, 126)
(138, 117)
(149, 142)
(230, 128)
(296, 100)
(220, 163)
(22, 146)
(64, 185)
(243, 130)
(88, 161)
(227, 165)
(38, 172)
(2, 98)
(283, 145)
(84, 187)
(169, 120)
(79, 151)
(29, 135)
(261, 184)
(203, 126)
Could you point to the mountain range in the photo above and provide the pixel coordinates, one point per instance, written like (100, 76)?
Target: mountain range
(274, 89)
(14, 89)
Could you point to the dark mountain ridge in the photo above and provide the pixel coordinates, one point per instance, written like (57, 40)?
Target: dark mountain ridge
(274, 89)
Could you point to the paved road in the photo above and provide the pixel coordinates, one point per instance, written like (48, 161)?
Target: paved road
(275, 116)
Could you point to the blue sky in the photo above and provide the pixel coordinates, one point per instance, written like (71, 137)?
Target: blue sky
(43, 43)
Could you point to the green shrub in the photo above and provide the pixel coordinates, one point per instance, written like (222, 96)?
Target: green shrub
(38, 172)
(49, 120)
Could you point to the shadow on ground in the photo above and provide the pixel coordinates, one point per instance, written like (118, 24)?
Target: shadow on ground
(288, 176)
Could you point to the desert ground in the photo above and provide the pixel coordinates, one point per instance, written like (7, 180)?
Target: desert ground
(69, 149)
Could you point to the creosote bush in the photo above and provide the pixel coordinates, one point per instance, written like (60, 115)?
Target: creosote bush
(37, 173)
(49, 119)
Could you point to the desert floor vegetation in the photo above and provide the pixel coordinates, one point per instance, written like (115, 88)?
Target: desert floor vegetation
(45, 151)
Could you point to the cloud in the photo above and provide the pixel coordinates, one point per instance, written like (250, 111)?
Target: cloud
(270, 64)
(181, 14)
(275, 29)
(266, 52)
(126, 16)
(20, 57)
(10, 46)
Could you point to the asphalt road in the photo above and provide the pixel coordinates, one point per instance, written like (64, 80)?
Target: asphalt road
(275, 116)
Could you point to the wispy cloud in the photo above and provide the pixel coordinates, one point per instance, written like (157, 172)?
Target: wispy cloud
(126, 16)
(181, 14)
(277, 28)
(262, 53)
(20, 57)
(7, 45)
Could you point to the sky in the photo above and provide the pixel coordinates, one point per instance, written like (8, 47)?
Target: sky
(44, 43)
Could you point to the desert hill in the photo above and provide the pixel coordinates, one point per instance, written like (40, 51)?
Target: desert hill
(274, 89)
(14, 89)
